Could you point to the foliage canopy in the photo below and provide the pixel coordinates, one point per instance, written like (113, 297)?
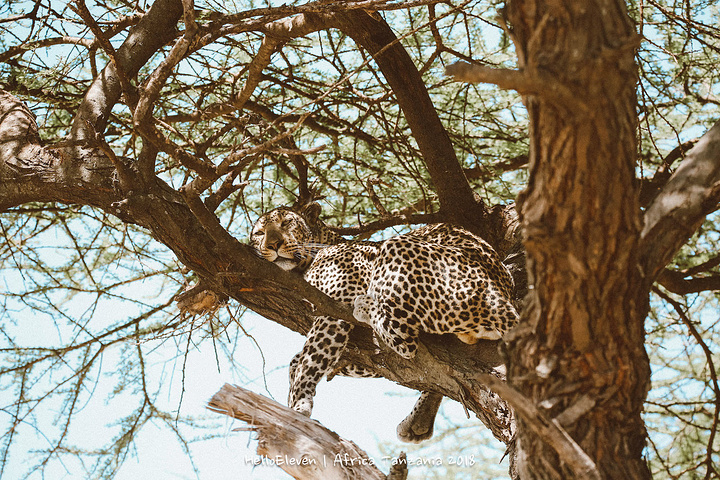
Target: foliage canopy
(259, 103)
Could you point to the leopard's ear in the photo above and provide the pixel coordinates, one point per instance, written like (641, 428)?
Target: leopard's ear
(311, 212)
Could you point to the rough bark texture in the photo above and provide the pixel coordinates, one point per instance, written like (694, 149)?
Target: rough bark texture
(157, 28)
(691, 193)
(31, 172)
(579, 354)
(578, 361)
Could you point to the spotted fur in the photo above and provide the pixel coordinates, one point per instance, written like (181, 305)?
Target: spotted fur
(439, 279)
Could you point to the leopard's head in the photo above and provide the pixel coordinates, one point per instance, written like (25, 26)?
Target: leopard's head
(287, 238)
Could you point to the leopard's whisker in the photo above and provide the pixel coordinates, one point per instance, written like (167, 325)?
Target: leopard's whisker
(475, 302)
(314, 248)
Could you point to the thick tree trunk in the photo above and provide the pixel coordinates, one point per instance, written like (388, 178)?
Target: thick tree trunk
(579, 354)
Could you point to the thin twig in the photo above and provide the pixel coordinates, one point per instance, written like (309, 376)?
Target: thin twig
(713, 378)
(82, 10)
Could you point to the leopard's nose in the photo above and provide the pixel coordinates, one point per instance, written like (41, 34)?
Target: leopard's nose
(273, 240)
(275, 244)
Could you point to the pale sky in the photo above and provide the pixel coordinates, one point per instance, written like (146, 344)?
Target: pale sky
(377, 405)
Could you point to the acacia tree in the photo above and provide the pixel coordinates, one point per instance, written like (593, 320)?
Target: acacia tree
(168, 127)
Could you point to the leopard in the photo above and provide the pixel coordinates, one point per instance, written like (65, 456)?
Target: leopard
(439, 278)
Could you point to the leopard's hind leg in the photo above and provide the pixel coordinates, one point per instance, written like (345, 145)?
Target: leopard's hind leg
(400, 334)
(419, 424)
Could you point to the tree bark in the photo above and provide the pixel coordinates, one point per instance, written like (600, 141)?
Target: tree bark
(32, 172)
(675, 214)
(579, 352)
(157, 27)
(303, 448)
(457, 199)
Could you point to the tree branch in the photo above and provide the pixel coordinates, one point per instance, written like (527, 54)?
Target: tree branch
(676, 282)
(454, 192)
(691, 193)
(703, 267)
(522, 82)
(550, 431)
(156, 80)
(82, 10)
(30, 172)
(650, 187)
(17, 50)
(302, 447)
(155, 29)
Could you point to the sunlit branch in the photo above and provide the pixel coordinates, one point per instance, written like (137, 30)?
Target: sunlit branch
(392, 220)
(107, 47)
(151, 91)
(156, 28)
(692, 192)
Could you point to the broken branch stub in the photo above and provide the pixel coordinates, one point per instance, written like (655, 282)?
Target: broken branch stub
(300, 446)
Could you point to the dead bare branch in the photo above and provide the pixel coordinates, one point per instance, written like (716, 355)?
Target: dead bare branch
(302, 447)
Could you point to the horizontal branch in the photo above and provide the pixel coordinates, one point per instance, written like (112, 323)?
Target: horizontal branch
(30, 172)
(391, 220)
(324, 7)
(676, 282)
(523, 82)
(702, 267)
(46, 42)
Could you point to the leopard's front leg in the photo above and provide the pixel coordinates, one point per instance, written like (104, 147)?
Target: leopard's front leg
(324, 346)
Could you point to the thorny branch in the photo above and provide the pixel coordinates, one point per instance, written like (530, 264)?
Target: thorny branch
(306, 91)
